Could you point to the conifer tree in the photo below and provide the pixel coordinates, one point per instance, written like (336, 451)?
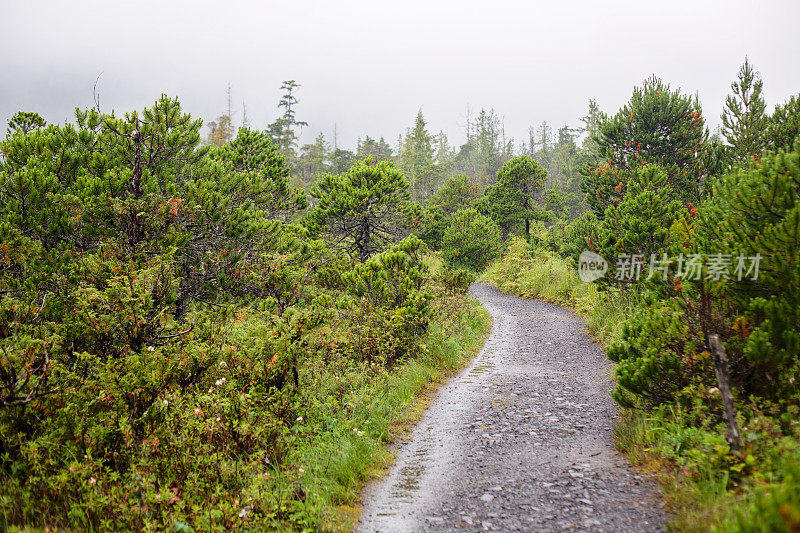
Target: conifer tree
(314, 160)
(25, 121)
(458, 192)
(117, 228)
(637, 226)
(258, 175)
(784, 125)
(416, 159)
(362, 210)
(755, 212)
(283, 130)
(744, 119)
(512, 199)
(657, 126)
(377, 150)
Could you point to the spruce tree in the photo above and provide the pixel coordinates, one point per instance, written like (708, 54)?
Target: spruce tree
(744, 120)
(416, 159)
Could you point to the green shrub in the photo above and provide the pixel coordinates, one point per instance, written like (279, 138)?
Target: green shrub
(391, 305)
(471, 241)
(456, 279)
(756, 211)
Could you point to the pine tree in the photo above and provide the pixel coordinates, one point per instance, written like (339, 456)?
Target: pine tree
(24, 122)
(512, 199)
(744, 120)
(637, 226)
(784, 125)
(125, 228)
(362, 210)
(259, 175)
(755, 211)
(657, 126)
(471, 240)
(458, 192)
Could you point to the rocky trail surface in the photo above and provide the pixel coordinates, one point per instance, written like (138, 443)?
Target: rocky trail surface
(520, 441)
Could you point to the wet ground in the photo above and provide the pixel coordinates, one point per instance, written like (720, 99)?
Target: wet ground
(520, 441)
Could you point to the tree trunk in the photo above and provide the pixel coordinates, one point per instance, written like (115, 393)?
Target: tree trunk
(724, 380)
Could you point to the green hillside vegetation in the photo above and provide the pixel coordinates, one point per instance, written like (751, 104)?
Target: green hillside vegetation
(227, 332)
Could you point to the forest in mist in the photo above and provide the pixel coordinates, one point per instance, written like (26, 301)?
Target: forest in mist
(207, 324)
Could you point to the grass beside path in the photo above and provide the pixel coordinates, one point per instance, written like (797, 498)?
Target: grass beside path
(356, 412)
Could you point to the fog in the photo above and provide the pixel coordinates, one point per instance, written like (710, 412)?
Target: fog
(367, 67)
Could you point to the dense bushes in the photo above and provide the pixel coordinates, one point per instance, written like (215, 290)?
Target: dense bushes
(166, 313)
(391, 305)
(471, 240)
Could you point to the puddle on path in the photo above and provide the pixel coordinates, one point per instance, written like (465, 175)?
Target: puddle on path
(405, 488)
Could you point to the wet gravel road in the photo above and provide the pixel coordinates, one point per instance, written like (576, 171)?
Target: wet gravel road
(520, 441)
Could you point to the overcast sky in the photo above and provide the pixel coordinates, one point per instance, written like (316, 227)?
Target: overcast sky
(368, 66)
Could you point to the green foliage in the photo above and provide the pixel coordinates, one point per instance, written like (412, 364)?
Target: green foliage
(639, 224)
(456, 279)
(24, 122)
(657, 126)
(784, 125)
(471, 241)
(428, 223)
(650, 356)
(773, 509)
(391, 302)
(127, 251)
(458, 192)
(744, 120)
(416, 160)
(258, 175)
(511, 200)
(282, 131)
(363, 210)
(377, 150)
(757, 211)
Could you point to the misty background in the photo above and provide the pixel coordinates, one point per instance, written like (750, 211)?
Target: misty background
(367, 67)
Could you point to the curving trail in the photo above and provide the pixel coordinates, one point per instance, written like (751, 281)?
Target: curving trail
(520, 441)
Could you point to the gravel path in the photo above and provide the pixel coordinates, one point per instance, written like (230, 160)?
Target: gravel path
(520, 441)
